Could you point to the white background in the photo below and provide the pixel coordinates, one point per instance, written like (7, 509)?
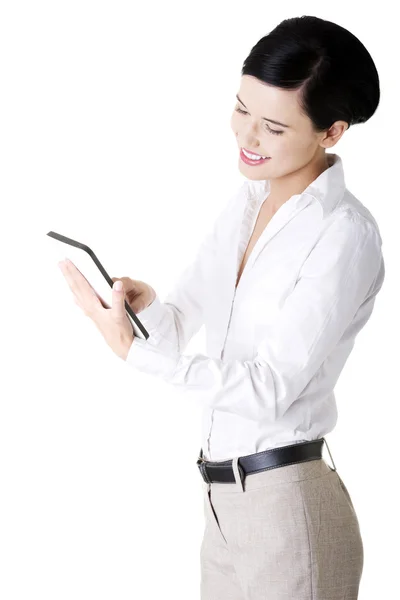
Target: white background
(115, 130)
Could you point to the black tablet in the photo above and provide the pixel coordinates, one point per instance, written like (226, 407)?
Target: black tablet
(91, 268)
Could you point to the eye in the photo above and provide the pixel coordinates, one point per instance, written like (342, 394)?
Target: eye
(274, 131)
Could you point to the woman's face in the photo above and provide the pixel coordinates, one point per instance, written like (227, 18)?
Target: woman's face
(291, 145)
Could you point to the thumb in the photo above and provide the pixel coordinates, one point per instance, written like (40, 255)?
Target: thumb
(118, 299)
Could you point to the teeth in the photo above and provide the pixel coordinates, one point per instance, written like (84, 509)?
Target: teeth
(252, 156)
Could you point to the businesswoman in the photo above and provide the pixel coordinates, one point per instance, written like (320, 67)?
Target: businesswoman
(283, 282)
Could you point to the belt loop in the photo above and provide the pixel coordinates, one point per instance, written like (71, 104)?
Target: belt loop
(334, 466)
(239, 475)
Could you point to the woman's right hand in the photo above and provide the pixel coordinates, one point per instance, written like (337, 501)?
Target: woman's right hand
(138, 294)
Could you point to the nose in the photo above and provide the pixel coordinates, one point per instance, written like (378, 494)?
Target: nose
(250, 141)
(250, 145)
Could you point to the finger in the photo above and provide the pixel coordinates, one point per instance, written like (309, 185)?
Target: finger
(80, 306)
(118, 300)
(80, 287)
(77, 280)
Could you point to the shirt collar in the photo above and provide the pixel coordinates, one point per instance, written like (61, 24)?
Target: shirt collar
(328, 188)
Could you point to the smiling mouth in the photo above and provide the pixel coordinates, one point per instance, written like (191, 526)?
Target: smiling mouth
(252, 155)
(252, 161)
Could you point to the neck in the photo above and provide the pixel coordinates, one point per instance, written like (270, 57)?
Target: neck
(283, 188)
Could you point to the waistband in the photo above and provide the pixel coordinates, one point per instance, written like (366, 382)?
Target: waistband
(236, 469)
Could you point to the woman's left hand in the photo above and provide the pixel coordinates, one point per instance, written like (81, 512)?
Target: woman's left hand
(113, 323)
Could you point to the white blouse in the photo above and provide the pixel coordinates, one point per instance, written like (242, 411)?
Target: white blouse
(277, 344)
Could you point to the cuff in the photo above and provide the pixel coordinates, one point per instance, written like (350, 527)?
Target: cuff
(151, 317)
(148, 358)
(153, 312)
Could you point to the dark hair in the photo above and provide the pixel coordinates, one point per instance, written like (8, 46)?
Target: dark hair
(336, 75)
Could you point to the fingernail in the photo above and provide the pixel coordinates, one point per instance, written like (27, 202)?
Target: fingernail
(118, 286)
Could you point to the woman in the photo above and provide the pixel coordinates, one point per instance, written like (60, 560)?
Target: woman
(283, 282)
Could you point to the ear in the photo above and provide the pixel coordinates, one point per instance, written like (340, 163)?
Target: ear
(334, 133)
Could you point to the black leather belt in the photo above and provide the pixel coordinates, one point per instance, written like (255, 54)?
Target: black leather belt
(222, 471)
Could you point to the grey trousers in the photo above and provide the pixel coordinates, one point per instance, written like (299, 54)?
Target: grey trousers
(289, 533)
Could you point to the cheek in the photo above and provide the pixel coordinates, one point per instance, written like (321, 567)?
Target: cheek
(293, 153)
(275, 147)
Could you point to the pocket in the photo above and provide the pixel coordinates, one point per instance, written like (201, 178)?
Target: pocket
(345, 490)
(213, 515)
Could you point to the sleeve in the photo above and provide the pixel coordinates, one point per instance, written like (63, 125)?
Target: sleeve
(172, 324)
(334, 281)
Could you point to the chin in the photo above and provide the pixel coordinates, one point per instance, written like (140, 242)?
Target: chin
(254, 174)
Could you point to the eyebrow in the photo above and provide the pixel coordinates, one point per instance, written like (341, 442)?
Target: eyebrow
(265, 118)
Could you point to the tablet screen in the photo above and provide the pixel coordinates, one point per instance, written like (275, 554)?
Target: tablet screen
(94, 272)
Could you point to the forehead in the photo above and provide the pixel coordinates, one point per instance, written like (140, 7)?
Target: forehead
(270, 101)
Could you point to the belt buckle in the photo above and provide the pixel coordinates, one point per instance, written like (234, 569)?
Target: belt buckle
(201, 463)
(238, 470)
(200, 459)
